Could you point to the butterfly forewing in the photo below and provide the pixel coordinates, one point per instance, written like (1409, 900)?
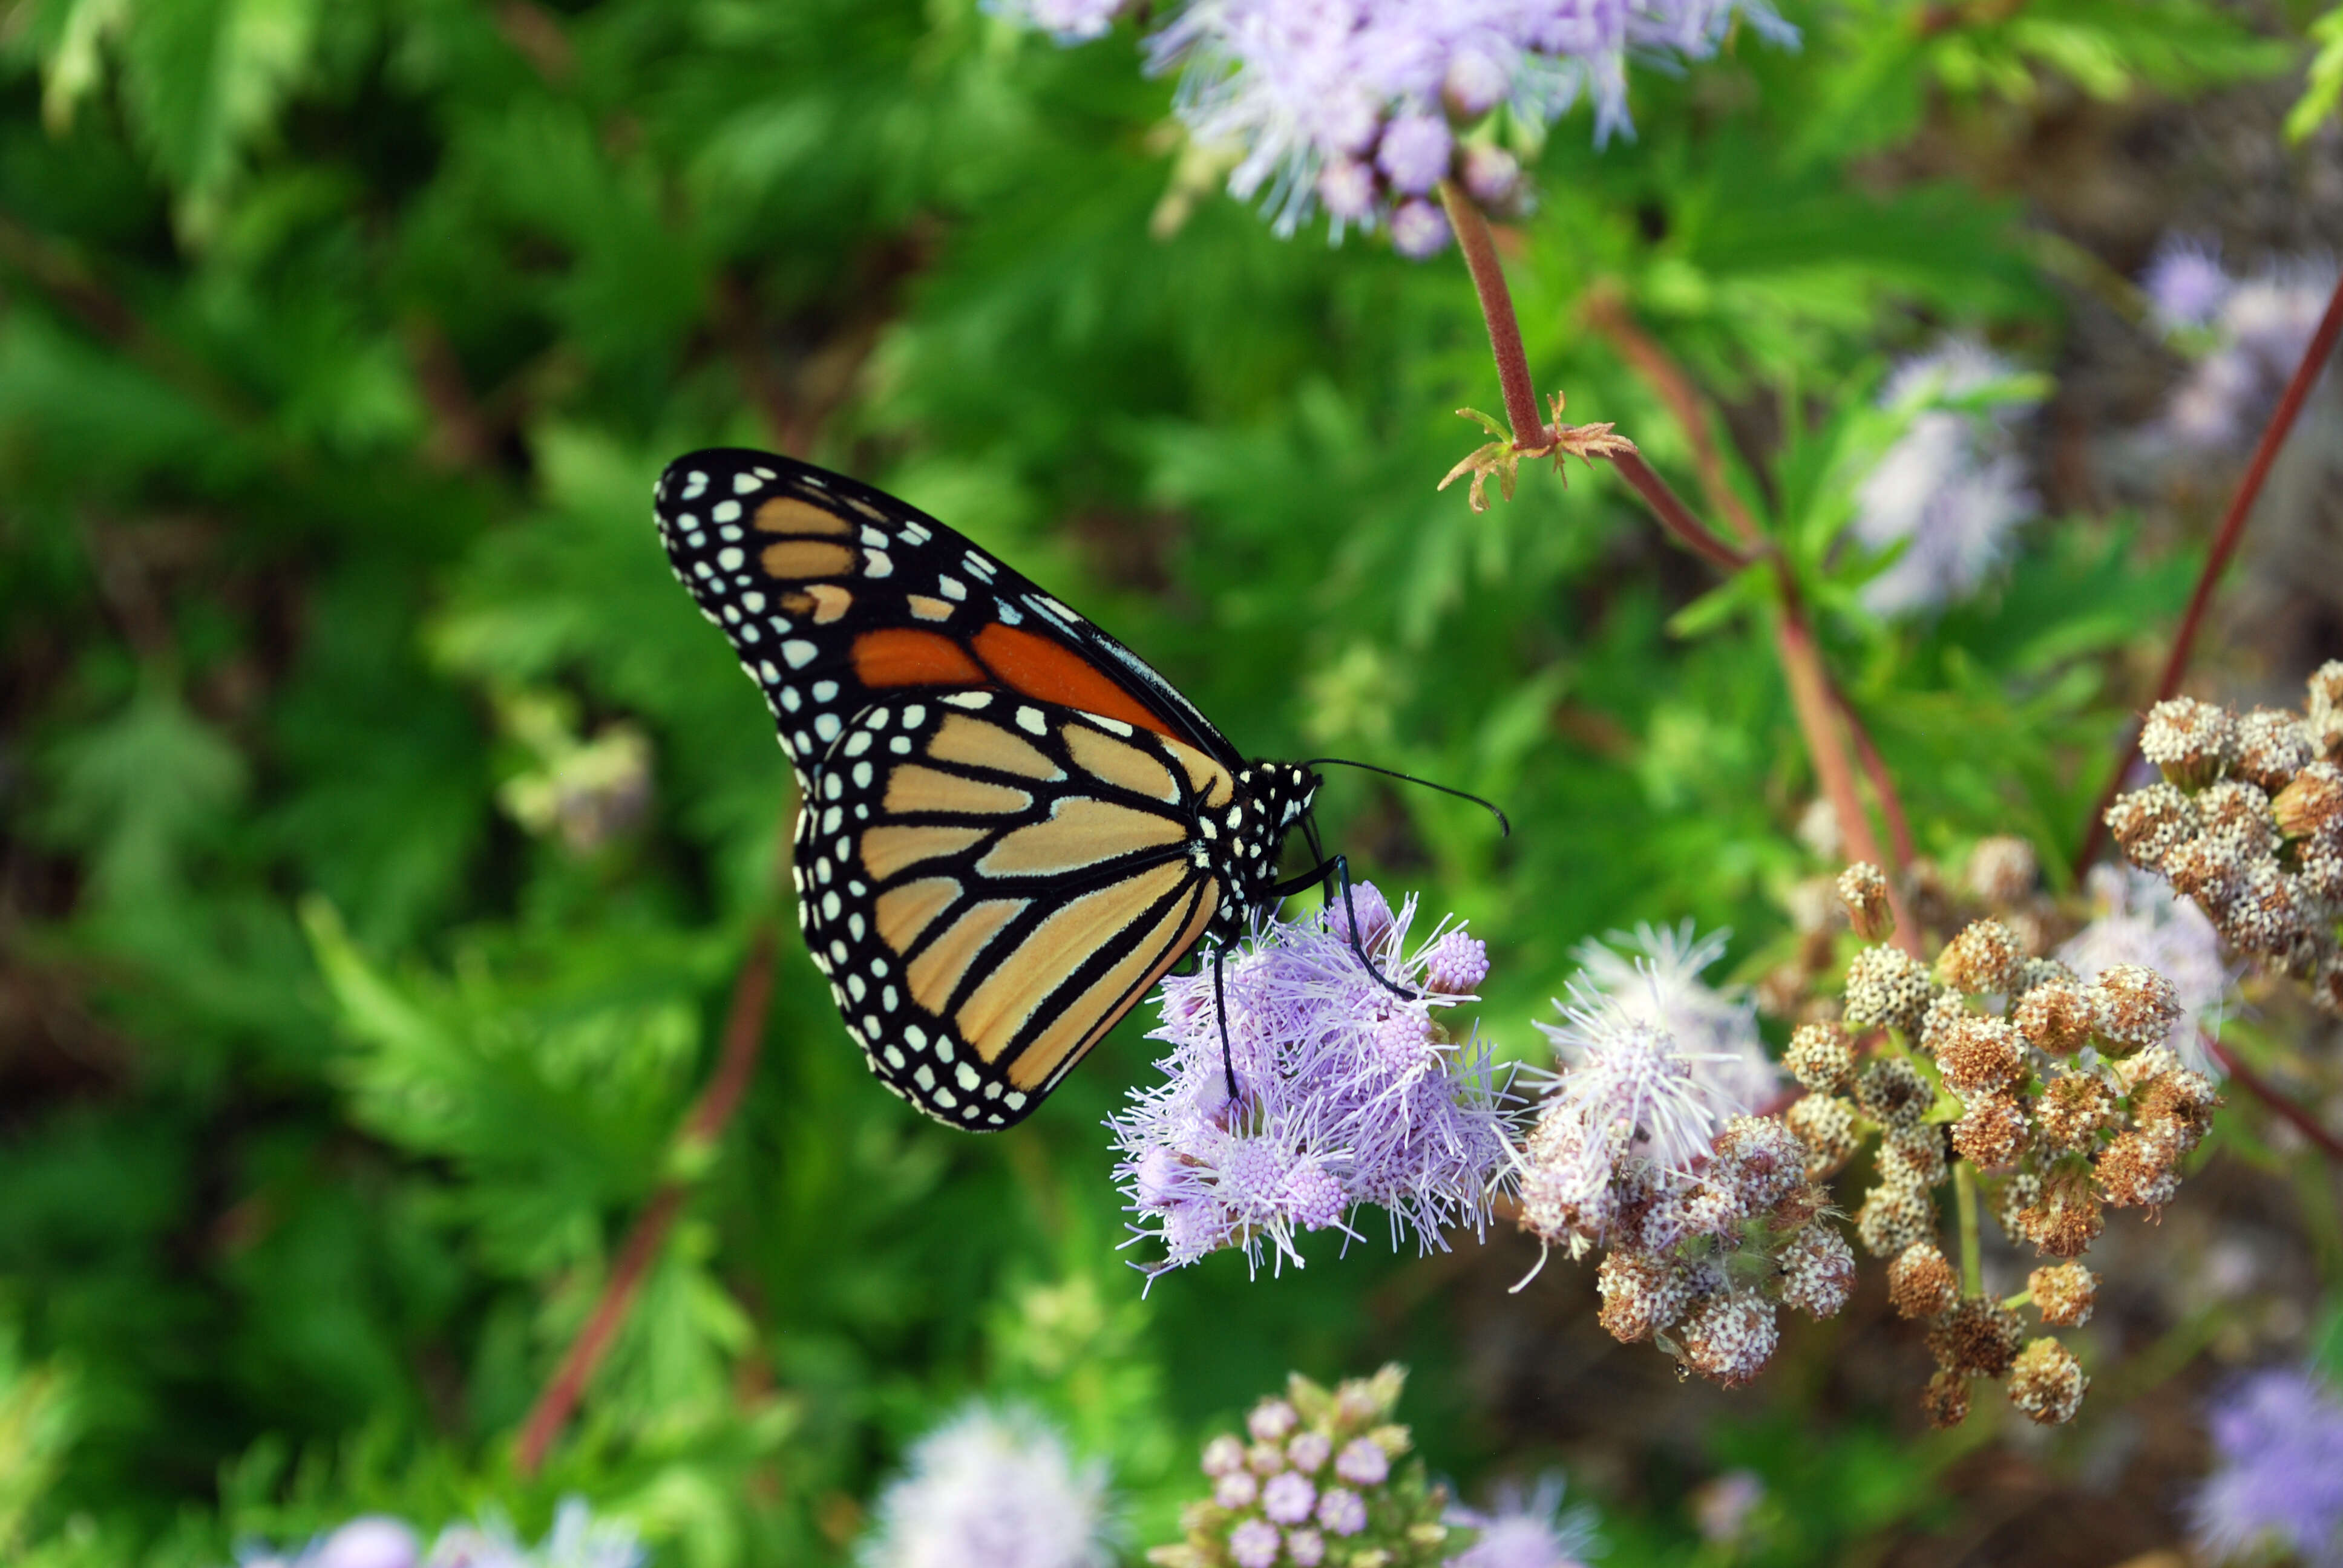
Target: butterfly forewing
(1010, 825)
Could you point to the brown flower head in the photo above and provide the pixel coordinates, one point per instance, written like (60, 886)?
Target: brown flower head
(1983, 961)
(2133, 1007)
(2319, 865)
(1921, 1283)
(2063, 1293)
(2055, 1018)
(1760, 1160)
(1984, 1056)
(2150, 823)
(1642, 1294)
(2238, 811)
(2064, 1219)
(1817, 1271)
(2212, 868)
(2272, 747)
(1894, 1216)
(1945, 1401)
(1729, 1338)
(1976, 1337)
(2177, 1104)
(2322, 720)
(1891, 1092)
(2003, 870)
(1992, 1130)
(2012, 1196)
(1820, 1058)
(1862, 889)
(2268, 915)
(2048, 1383)
(2074, 1107)
(1826, 1125)
(2190, 741)
(1949, 1011)
(1887, 988)
(2136, 1170)
(1914, 1155)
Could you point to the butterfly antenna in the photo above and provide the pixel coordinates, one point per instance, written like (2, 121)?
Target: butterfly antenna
(1503, 825)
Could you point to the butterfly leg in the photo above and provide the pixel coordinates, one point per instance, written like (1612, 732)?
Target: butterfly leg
(1221, 1009)
(1339, 869)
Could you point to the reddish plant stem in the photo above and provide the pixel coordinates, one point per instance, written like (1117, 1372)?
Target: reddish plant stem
(744, 1032)
(1675, 515)
(1883, 785)
(2269, 1094)
(2315, 356)
(1480, 248)
(1642, 353)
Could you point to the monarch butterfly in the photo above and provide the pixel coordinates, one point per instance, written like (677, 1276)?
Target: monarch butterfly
(1010, 826)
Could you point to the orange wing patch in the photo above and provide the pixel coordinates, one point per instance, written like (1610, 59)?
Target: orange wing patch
(1039, 667)
(788, 515)
(794, 558)
(899, 656)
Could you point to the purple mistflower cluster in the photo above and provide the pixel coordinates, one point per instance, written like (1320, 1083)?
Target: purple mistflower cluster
(2140, 921)
(2277, 1471)
(1364, 106)
(2250, 333)
(991, 1489)
(577, 1539)
(1952, 489)
(1346, 1092)
(1526, 1530)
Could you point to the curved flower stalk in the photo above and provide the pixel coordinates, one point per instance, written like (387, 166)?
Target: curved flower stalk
(991, 1488)
(1347, 1093)
(1362, 107)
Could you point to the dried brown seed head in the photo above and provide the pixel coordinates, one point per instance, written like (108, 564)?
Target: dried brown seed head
(2048, 1383)
(1729, 1338)
(2133, 1007)
(1891, 1092)
(2212, 868)
(2149, 823)
(1914, 1155)
(2063, 1293)
(1992, 1130)
(2065, 1219)
(2136, 1170)
(1642, 1294)
(1817, 1271)
(1976, 1337)
(1983, 961)
(2074, 1107)
(2178, 1105)
(1921, 1281)
(2055, 1018)
(1826, 1125)
(1984, 1056)
(1945, 1401)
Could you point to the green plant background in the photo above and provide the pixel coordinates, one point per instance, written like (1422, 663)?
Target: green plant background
(339, 346)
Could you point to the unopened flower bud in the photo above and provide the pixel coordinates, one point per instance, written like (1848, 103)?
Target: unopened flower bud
(2311, 802)
(1894, 1217)
(1817, 1271)
(1914, 1155)
(2188, 741)
(2048, 1383)
(1728, 1339)
(1492, 174)
(2272, 747)
(2322, 719)
(1891, 1092)
(1642, 1294)
(2063, 1293)
(1992, 1130)
(2056, 1018)
(2074, 1109)
(1826, 1125)
(1863, 888)
(1921, 1283)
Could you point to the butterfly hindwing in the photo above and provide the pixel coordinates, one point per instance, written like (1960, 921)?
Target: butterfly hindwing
(992, 883)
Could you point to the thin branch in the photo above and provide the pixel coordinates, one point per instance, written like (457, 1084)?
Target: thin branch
(1480, 248)
(1607, 315)
(1964, 1200)
(1675, 515)
(2269, 1094)
(744, 1032)
(2315, 356)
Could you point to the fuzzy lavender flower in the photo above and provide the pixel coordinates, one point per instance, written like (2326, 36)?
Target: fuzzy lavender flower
(1654, 974)
(1950, 490)
(2258, 328)
(1527, 1530)
(2141, 921)
(2277, 1473)
(2186, 281)
(1347, 1094)
(577, 1539)
(991, 1489)
(1299, 88)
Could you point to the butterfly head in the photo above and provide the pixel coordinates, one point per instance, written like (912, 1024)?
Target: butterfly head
(1272, 799)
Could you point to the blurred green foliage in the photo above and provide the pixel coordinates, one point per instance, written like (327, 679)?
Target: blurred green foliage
(340, 346)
